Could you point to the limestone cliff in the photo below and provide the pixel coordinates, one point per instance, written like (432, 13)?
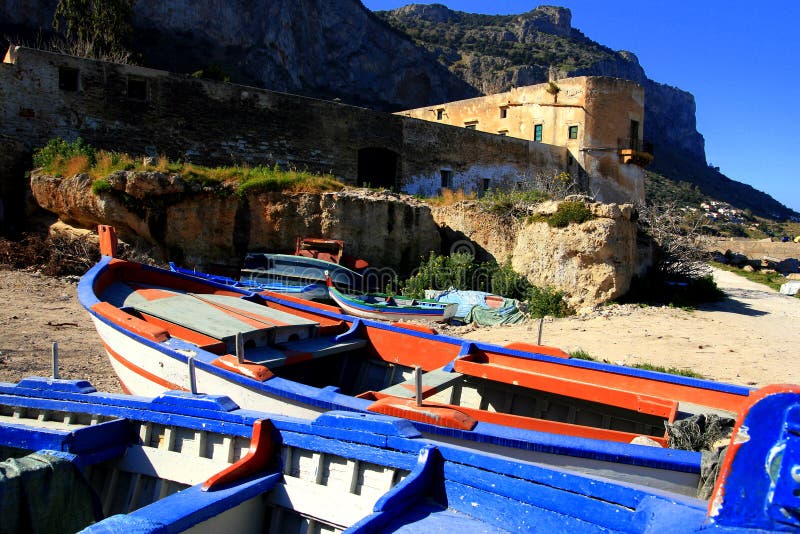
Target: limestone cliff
(191, 224)
(591, 262)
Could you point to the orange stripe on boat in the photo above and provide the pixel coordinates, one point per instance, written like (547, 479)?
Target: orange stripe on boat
(293, 357)
(568, 387)
(540, 349)
(151, 293)
(141, 372)
(427, 413)
(256, 371)
(130, 323)
(202, 341)
(413, 326)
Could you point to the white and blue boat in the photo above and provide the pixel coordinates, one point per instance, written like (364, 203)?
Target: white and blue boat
(275, 353)
(73, 459)
(287, 268)
(384, 307)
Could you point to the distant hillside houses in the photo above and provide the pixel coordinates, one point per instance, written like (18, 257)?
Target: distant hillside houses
(722, 212)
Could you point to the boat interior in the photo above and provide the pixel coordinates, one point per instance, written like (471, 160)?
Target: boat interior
(122, 465)
(325, 352)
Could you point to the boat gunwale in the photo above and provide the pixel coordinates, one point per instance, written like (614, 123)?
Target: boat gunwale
(530, 440)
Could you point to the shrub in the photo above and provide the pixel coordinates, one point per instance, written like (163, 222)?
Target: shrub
(669, 370)
(511, 202)
(544, 301)
(101, 186)
(581, 354)
(655, 288)
(56, 156)
(569, 212)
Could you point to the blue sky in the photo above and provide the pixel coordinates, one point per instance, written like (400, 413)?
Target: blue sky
(740, 59)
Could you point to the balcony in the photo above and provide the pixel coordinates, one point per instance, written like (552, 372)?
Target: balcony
(635, 151)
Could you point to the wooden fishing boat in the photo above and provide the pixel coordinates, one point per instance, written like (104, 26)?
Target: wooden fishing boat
(286, 268)
(179, 462)
(300, 290)
(284, 355)
(390, 308)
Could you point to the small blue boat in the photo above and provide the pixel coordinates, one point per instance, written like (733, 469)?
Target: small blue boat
(300, 290)
(76, 459)
(390, 307)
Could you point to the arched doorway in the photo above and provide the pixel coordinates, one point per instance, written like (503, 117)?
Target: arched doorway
(377, 167)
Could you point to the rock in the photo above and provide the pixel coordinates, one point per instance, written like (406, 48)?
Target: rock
(749, 268)
(788, 266)
(196, 226)
(644, 440)
(791, 288)
(793, 276)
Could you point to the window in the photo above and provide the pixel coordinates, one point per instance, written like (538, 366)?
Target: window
(573, 132)
(67, 79)
(471, 125)
(503, 112)
(537, 133)
(447, 179)
(137, 89)
(439, 114)
(487, 184)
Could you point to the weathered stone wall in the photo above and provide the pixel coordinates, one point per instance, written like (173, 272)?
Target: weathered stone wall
(217, 123)
(195, 226)
(756, 249)
(591, 262)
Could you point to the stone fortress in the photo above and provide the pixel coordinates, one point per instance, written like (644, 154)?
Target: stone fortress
(147, 112)
(591, 128)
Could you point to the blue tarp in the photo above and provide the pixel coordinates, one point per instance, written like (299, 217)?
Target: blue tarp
(472, 307)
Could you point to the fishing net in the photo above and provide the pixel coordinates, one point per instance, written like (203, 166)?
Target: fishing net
(705, 433)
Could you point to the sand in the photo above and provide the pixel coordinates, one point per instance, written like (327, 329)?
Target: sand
(751, 338)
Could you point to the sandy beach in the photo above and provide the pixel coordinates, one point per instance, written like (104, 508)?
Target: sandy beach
(750, 338)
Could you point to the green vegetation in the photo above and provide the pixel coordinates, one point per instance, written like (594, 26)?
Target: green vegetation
(513, 203)
(656, 289)
(569, 212)
(463, 36)
(62, 158)
(57, 153)
(773, 280)
(661, 190)
(101, 28)
(581, 354)
(460, 271)
(544, 301)
(669, 370)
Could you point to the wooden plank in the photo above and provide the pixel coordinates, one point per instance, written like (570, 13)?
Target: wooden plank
(258, 311)
(329, 505)
(432, 382)
(168, 465)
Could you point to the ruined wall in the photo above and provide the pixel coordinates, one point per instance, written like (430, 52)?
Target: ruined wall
(149, 112)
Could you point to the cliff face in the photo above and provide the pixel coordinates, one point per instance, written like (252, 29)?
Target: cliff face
(591, 262)
(193, 225)
(309, 47)
(495, 53)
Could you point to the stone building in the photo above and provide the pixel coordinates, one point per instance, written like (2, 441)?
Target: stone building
(150, 112)
(598, 120)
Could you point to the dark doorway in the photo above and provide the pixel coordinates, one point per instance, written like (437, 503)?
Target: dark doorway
(377, 167)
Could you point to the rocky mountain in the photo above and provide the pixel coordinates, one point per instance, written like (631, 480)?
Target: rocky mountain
(496, 52)
(410, 57)
(317, 48)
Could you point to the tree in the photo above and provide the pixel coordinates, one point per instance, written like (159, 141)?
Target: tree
(97, 28)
